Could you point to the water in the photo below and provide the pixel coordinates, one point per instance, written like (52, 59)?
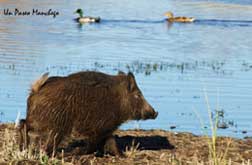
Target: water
(175, 65)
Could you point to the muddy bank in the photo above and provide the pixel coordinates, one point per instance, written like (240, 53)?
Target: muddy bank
(152, 147)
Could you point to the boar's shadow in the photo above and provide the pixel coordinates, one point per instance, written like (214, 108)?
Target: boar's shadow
(154, 142)
(145, 142)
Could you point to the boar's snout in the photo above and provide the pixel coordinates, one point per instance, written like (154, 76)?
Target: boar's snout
(150, 113)
(155, 115)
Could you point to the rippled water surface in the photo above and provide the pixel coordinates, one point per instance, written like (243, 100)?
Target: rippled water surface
(175, 65)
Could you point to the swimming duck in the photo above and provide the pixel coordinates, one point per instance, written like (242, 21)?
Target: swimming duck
(171, 18)
(86, 19)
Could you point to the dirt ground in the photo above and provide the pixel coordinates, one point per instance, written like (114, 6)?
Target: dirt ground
(153, 147)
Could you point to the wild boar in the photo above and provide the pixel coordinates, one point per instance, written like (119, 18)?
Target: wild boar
(88, 104)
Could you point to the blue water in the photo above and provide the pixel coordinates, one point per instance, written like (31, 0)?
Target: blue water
(175, 65)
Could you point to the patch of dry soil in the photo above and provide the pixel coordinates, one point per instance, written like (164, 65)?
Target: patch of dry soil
(155, 147)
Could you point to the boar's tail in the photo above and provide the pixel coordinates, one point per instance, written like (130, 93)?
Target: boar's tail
(36, 86)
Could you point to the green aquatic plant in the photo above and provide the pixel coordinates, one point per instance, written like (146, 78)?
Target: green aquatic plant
(215, 157)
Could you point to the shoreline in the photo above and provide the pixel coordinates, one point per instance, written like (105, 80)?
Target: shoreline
(154, 147)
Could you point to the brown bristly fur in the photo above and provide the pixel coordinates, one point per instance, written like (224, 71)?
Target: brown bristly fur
(88, 105)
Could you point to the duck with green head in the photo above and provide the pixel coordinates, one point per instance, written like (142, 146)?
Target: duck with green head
(86, 19)
(171, 18)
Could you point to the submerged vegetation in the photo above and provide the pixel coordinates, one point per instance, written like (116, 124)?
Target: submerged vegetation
(217, 67)
(146, 68)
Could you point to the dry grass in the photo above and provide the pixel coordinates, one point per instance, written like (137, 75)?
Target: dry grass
(10, 152)
(135, 154)
(132, 150)
(215, 157)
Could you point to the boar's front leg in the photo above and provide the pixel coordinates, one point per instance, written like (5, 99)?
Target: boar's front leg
(104, 145)
(110, 147)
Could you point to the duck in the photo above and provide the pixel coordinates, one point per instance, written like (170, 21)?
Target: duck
(86, 19)
(171, 18)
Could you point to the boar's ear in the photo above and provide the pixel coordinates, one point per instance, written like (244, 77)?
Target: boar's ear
(131, 82)
(121, 73)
